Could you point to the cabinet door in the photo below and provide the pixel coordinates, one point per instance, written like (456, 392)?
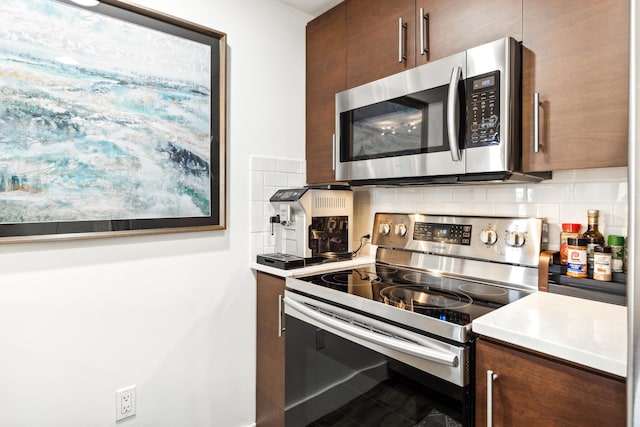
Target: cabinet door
(576, 58)
(374, 42)
(326, 75)
(457, 25)
(532, 390)
(270, 352)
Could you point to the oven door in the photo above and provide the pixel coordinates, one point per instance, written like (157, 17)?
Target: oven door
(345, 367)
(403, 126)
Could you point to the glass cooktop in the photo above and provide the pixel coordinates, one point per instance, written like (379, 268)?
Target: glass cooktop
(448, 299)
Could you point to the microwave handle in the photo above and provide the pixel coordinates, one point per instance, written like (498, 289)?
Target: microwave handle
(453, 117)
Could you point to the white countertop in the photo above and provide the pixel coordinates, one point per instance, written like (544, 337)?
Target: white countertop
(586, 332)
(318, 268)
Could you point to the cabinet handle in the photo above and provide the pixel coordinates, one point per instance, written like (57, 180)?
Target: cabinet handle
(536, 122)
(402, 55)
(333, 154)
(490, 378)
(424, 33)
(280, 328)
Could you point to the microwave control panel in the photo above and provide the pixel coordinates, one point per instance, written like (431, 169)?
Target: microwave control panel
(483, 110)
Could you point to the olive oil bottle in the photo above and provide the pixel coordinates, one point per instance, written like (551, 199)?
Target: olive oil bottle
(594, 238)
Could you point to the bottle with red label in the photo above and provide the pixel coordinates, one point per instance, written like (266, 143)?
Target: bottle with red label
(568, 231)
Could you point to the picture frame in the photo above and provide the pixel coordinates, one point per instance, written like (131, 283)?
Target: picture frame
(112, 122)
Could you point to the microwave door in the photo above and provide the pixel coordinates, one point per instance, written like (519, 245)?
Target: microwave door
(408, 136)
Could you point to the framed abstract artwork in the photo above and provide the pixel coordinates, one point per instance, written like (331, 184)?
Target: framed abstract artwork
(112, 121)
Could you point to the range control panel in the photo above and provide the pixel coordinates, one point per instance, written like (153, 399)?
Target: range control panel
(499, 239)
(454, 234)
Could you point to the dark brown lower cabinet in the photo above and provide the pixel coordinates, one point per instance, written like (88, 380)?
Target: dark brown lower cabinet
(270, 351)
(531, 389)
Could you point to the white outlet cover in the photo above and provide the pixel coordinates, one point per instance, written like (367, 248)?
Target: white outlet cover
(125, 402)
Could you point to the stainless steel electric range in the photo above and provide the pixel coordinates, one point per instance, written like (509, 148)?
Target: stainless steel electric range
(362, 343)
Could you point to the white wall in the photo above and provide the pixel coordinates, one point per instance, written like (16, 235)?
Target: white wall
(173, 314)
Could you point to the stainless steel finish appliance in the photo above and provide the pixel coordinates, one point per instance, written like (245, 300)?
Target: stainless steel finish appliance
(454, 120)
(403, 324)
(311, 224)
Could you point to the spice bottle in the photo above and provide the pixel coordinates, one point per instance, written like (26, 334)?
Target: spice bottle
(568, 230)
(602, 263)
(577, 257)
(594, 238)
(617, 253)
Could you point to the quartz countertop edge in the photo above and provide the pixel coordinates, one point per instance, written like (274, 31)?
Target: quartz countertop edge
(314, 269)
(589, 333)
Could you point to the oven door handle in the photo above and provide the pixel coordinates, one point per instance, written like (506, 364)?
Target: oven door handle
(412, 346)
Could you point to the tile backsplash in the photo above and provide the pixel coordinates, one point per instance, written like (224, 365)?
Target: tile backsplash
(565, 198)
(268, 175)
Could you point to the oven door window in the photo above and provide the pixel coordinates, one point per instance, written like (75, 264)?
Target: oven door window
(332, 381)
(408, 125)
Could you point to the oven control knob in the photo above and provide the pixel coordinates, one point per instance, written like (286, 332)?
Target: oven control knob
(488, 236)
(401, 230)
(515, 239)
(384, 229)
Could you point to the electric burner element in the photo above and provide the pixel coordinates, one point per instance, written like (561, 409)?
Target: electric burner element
(479, 289)
(425, 279)
(414, 297)
(351, 277)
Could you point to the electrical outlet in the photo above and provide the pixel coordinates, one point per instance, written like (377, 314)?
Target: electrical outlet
(125, 402)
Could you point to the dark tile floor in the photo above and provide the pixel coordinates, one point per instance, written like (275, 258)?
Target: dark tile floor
(389, 404)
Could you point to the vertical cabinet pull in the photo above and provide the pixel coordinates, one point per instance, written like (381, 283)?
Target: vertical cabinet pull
(536, 122)
(402, 54)
(490, 378)
(424, 33)
(280, 328)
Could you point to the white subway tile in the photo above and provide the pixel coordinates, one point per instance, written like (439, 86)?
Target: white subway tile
(382, 195)
(437, 194)
(599, 192)
(257, 246)
(601, 174)
(257, 186)
(289, 166)
(469, 194)
(507, 193)
(257, 217)
(296, 180)
(269, 191)
(275, 179)
(265, 164)
(562, 176)
(549, 193)
(413, 195)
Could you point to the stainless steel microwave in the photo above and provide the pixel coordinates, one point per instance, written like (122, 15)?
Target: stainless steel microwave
(453, 120)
